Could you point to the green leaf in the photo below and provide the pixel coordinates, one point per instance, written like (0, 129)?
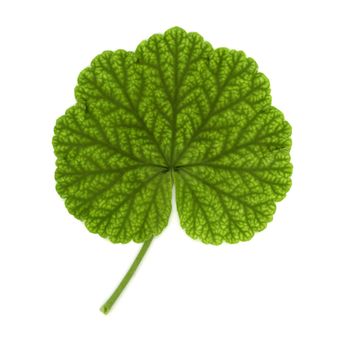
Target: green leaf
(175, 111)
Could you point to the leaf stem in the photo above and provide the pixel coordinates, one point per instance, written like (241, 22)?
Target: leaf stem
(106, 307)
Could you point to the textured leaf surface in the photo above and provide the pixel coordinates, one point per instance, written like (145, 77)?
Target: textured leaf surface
(174, 111)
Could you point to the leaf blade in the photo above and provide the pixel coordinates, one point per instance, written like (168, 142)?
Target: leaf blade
(175, 110)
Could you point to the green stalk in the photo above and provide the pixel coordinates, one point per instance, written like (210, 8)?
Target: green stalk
(106, 307)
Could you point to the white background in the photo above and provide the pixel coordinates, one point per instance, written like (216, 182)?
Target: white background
(288, 288)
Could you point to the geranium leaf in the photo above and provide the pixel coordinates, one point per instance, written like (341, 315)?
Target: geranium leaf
(174, 112)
